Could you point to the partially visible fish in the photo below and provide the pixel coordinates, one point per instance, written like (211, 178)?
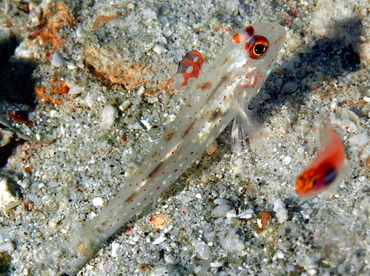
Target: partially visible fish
(326, 168)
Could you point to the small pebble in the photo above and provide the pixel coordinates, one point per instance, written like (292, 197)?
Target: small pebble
(246, 214)
(159, 240)
(158, 49)
(8, 198)
(5, 137)
(290, 87)
(124, 105)
(232, 242)
(202, 249)
(287, 160)
(7, 246)
(56, 59)
(75, 90)
(98, 201)
(115, 249)
(107, 117)
(280, 209)
(220, 211)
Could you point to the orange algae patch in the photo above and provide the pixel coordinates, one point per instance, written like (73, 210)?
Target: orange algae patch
(264, 218)
(40, 91)
(54, 19)
(111, 70)
(59, 88)
(159, 222)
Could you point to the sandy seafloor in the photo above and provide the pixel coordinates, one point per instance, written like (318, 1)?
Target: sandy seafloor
(116, 56)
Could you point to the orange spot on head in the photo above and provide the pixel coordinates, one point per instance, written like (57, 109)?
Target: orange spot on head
(237, 38)
(243, 35)
(190, 66)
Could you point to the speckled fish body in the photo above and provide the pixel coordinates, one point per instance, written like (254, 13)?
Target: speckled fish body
(233, 79)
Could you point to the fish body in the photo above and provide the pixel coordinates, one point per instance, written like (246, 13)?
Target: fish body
(232, 80)
(326, 168)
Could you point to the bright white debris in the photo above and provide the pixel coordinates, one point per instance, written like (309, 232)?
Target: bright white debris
(282, 215)
(141, 90)
(281, 211)
(279, 255)
(216, 264)
(170, 259)
(159, 240)
(115, 249)
(98, 201)
(246, 214)
(231, 214)
(53, 114)
(71, 66)
(158, 49)
(107, 117)
(287, 160)
(146, 123)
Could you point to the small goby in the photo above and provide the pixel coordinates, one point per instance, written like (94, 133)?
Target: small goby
(214, 100)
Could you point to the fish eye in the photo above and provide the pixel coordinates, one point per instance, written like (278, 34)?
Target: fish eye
(257, 47)
(330, 175)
